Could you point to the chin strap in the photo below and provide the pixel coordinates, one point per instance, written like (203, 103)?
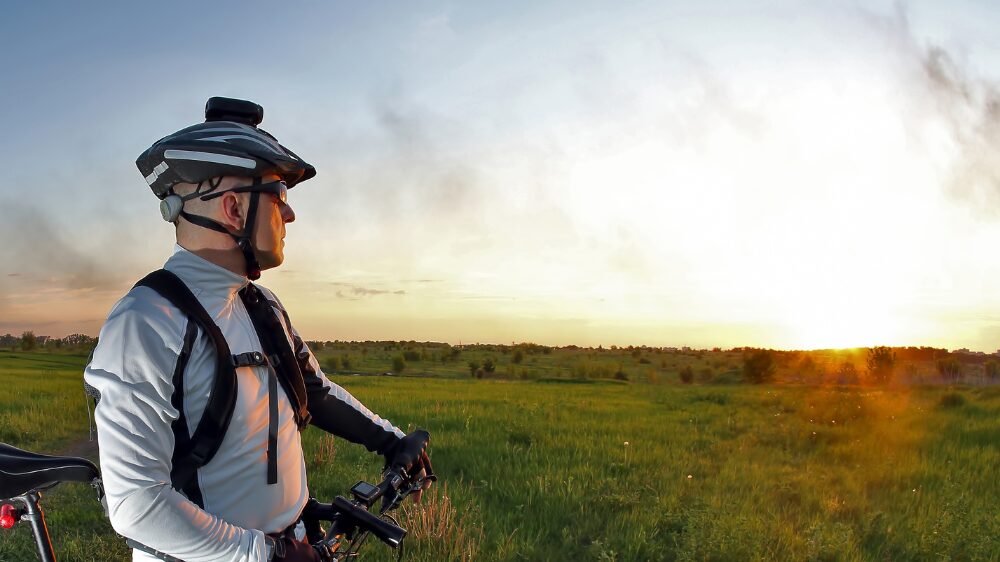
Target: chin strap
(242, 238)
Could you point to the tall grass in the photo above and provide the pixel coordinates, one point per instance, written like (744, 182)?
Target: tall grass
(536, 471)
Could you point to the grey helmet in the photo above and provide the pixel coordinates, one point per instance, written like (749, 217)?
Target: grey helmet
(228, 143)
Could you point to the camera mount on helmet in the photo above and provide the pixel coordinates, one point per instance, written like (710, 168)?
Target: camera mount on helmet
(237, 111)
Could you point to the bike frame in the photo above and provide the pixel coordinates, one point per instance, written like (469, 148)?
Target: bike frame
(33, 513)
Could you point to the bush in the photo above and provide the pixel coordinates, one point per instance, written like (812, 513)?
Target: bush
(518, 356)
(952, 400)
(489, 366)
(847, 373)
(687, 374)
(992, 370)
(881, 364)
(411, 355)
(345, 360)
(28, 341)
(758, 366)
(949, 369)
(473, 367)
(331, 364)
(620, 375)
(398, 364)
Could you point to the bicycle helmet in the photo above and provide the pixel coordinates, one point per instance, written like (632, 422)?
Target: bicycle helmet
(228, 143)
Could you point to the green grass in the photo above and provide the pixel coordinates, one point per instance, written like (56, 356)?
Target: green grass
(532, 470)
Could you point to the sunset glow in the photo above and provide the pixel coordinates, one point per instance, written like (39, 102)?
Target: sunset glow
(669, 175)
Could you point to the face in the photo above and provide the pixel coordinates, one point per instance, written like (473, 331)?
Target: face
(269, 232)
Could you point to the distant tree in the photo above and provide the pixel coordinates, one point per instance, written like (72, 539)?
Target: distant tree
(28, 341)
(473, 367)
(847, 373)
(687, 374)
(331, 364)
(758, 366)
(398, 364)
(489, 366)
(518, 356)
(881, 364)
(345, 360)
(411, 355)
(7, 340)
(992, 370)
(949, 368)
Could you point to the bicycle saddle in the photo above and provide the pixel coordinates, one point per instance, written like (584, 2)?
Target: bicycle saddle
(23, 471)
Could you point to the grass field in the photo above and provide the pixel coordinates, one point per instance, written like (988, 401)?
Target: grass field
(539, 469)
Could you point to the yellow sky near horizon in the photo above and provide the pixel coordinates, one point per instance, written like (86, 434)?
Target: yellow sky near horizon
(688, 175)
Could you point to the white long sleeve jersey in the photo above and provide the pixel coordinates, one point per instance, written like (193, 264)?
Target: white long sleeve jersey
(132, 369)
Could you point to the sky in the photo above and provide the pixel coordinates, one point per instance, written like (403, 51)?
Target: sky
(787, 174)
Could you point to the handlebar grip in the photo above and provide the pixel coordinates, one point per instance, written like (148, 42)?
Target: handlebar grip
(388, 533)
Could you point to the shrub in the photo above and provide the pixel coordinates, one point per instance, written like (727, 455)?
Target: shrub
(620, 375)
(28, 341)
(345, 360)
(473, 367)
(952, 400)
(949, 369)
(992, 370)
(331, 363)
(518, 356)
(881, 364)
(847, 373)
(489, 366)
(411, 355)
(687, 374)
(758, 366)
(398, 364)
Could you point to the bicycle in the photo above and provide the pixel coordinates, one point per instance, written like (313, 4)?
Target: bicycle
(24, 475)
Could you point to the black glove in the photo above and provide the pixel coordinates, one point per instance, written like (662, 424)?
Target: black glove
(291, 550)
(410, 453)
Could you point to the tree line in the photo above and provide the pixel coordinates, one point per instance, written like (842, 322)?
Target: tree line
(28, 341)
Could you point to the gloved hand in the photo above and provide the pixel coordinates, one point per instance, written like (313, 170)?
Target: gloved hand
(410, 452)
(299, 551)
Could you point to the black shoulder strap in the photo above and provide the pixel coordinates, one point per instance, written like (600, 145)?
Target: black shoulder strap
(279, 351)
(195, 451)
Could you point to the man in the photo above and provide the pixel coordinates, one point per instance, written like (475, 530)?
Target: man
(202, 382)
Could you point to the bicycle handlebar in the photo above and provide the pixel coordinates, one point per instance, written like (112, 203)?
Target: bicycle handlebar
(348, 516)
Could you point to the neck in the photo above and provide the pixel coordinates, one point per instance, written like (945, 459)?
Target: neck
(217, 252)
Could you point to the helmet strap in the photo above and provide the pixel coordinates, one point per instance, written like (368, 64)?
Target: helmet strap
(244, 238)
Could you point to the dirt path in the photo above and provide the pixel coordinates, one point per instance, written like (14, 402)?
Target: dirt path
(84, 448)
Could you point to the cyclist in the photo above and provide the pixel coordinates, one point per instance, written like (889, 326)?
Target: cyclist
(201, 401)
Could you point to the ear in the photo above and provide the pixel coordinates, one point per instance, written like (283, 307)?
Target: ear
(233, 214)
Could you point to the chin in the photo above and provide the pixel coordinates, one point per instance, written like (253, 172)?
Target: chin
(270, 260)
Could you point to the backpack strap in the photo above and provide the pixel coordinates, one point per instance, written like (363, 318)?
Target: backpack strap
(274, 340)
(194, 451)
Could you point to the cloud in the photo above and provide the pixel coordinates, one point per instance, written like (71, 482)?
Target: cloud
(47, 255)
(947, 95)
(354, 292)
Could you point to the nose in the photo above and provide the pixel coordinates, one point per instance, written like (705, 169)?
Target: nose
(287, 214)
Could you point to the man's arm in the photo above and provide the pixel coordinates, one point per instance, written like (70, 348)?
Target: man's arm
(132, 370)
(332, 408)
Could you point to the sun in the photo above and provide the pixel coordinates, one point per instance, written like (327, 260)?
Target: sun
(841, 321)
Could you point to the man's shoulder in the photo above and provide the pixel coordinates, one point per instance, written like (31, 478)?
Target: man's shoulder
(143, 306)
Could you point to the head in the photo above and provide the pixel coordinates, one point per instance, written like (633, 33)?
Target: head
(231, 210)
(222, 177)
